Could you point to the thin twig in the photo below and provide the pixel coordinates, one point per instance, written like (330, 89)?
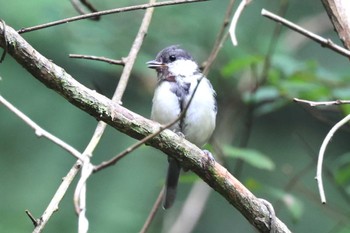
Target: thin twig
(79, 198)
(200, 200)
(153, 212)
(320, 103)
(57, 198)
(88, 5)
(259, 79)
(131, 58)
(235, 18)
(329, 173)
(32, 218)
(321, 155)
(273, 43)
(220, 38)
(106, 12)
(80, 191)
(324, 42)
(95, 58)
(40, 132)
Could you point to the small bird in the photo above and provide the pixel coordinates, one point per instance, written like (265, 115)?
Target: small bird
(178, 75)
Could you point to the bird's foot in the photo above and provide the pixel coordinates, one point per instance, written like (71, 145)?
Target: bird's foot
(180, 134)
(273, 222)
(210, 160)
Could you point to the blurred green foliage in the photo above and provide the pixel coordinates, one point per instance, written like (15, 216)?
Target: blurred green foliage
(257, 119)
(251, 157)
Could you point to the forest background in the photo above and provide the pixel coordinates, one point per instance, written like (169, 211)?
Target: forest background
(278, 138)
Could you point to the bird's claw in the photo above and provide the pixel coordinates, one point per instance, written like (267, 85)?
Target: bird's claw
(210, 160)
(180, 134)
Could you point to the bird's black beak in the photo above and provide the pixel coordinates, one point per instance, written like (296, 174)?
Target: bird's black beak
(155, 64)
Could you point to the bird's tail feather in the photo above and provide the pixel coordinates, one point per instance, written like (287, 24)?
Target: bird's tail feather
(171, 183)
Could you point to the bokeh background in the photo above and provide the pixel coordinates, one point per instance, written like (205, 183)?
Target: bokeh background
(278, 139)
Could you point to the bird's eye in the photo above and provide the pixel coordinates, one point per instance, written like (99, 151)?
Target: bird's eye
(172, 57)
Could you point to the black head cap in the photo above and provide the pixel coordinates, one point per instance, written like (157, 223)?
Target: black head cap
(172, 53)
(168, 55)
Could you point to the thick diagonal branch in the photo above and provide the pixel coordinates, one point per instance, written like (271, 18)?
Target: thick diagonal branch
(136, 126)
(339, 13)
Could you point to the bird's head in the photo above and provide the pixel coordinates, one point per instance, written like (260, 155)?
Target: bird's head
(172, 63)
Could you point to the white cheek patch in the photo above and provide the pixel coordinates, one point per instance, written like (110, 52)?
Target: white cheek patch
(183, 67)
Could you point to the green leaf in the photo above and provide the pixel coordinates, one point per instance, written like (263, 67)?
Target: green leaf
(263, 94)
(239, 64)
(250, 156)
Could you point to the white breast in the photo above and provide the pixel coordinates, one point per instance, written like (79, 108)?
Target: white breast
(183, 68)
(165, 108)
(199, 122)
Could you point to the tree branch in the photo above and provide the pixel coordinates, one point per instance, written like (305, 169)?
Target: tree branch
(107, 12)
(40, 132)
(138, 127)
(320, 103)
(321, 155)
(322, 41)
(232, 29)
(95, 58)
(339, 14)
(80, 191)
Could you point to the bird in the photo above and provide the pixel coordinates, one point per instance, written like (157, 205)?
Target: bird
(178, 75)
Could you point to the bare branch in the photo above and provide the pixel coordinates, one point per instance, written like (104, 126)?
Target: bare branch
(273, 43)
(107, 12)
(321, 155)
(88, 5)
(61, 191)
(80, 192)
(138, 127)
(324, 42)
(80, 196)
(234, 21)
(319, 103)
(95, 58)
(220, 39)
(326, 140)
(339, 13)
(194, 196)
(79, 199)
(32, 218)
(40, 132)
(153, 211)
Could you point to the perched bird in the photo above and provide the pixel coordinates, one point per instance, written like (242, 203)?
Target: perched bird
(178, 75)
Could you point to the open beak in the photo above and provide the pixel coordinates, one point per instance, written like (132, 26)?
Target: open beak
(155, 64)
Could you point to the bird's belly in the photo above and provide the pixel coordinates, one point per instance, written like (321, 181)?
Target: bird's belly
(199, 126)
(166, 107)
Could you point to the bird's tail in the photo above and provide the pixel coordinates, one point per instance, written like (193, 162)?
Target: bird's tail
(171, 183)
